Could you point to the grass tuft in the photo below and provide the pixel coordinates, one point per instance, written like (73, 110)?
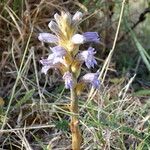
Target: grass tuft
(34, 108)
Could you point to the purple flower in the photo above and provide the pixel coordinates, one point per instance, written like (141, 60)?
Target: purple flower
(47, 64)
(85, 37)
(54, 59)
(91, 37)
(48, 38)
(58, 51)
(68, 78)
(88, 57)
(92, 78)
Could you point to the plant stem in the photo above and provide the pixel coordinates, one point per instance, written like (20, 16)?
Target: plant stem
(74, 124)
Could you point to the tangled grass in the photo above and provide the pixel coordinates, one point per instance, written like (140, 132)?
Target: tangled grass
(33, 108)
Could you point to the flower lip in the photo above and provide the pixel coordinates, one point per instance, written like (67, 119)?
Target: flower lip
(59, 54)
(47, 64)
(45, 69)
(91, 37)
(51, 62)
(92, 78)
(54, 60)
(88, 57)
(58, 51)
(48, 38)
(68, 78)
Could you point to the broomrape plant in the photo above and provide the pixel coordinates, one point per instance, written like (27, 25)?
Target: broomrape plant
(67, 58)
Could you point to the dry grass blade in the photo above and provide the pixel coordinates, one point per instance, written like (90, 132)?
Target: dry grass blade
(34, 110)
(28, 128)
(108, 59)
(17, 79)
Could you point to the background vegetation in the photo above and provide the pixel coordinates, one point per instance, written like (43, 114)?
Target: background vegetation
(33, 111)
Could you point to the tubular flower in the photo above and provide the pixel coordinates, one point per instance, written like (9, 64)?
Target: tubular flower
(91, 37)
(85, 37)
(61, 55)
(58, 51)
(91, 78)
(47, 64)
(68, 78)
(47, 38)
(54, 59)
(88, 57)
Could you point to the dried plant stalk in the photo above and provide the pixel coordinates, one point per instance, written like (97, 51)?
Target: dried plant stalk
(74, 124)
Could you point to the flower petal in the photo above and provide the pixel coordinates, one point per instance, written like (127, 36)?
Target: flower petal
(66, 17)
(48, 38)
(78, 39)
(88, 57)
(51, 57)
(68, 78)
(77, 17)
(51, 62)
(57, 18)
(92, 78)
(58, 55)
(91, 37)
(45, 69)
(58, 51)
(54, 27)
(46, 62)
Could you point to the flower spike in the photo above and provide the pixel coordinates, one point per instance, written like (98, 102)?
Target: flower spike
(65, 57)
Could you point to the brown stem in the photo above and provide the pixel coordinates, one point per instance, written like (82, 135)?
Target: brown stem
(74, 124)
